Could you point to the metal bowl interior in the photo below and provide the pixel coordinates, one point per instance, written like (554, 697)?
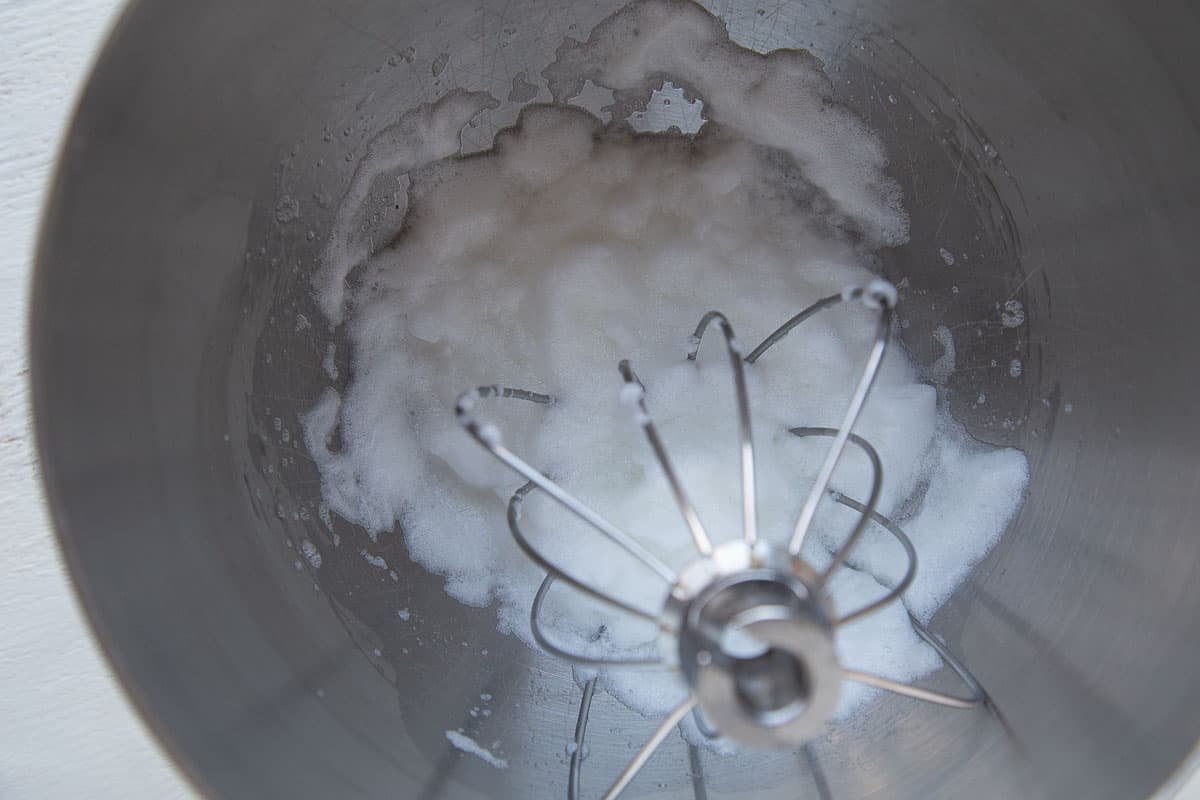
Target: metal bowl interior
(1055, 142)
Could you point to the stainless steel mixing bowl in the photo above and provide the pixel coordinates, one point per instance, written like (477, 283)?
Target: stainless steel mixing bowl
(1056, 144)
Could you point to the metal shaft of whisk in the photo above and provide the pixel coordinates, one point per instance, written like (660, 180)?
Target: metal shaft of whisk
(783, 330)
(745, 437)
(915, 692)
(857, 400)
(633, 394)
(585, 710)
(652, 744)
(489, 437)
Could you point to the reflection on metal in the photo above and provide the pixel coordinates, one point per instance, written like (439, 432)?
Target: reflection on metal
(749, 624)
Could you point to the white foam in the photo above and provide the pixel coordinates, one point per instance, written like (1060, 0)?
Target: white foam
(311, 553)
(425, 134)
(570, 246)
(468, 745)
(378, 562)
(781, 101)
(880, 293)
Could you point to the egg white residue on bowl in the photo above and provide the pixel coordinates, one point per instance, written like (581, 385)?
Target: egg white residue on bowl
(572, 244)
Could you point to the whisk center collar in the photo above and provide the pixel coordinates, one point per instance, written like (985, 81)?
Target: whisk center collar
(755, 643)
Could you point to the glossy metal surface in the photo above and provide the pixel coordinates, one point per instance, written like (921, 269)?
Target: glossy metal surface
(1056, 144)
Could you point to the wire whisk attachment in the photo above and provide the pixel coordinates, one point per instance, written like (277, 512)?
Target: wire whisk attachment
(748, 624)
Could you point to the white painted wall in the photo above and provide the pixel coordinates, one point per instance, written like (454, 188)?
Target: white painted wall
(66, 731)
